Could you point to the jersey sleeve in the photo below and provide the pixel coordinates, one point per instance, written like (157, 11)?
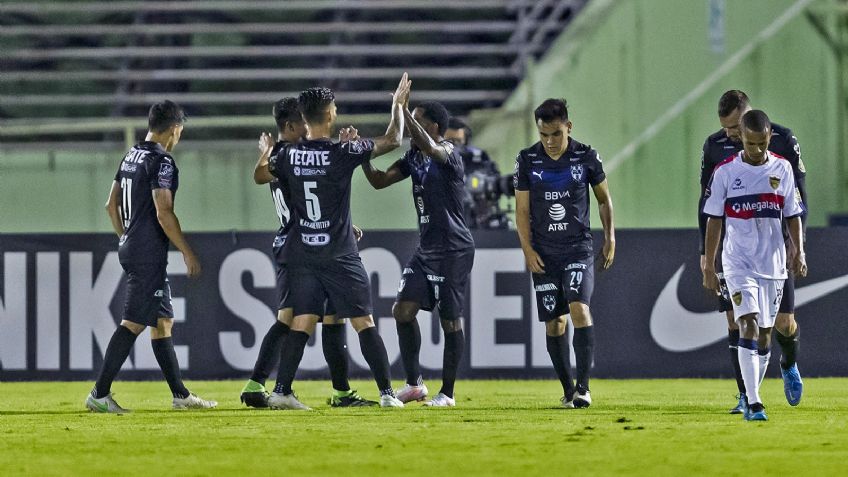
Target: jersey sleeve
(596, 173)
(274, 162)
(793, 155)
(358, 152)
(454, 160)
(164, 174)
(716, 194)
(519, 175)
(791, 204)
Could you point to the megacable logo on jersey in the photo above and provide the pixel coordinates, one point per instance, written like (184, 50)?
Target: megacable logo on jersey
(166, 171)
(315, 240)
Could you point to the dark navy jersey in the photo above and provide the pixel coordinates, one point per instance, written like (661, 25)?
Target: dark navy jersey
(438, 191)
(317, 175)
(146, 166)
(559, 196)
(719, 147)
(280, 196)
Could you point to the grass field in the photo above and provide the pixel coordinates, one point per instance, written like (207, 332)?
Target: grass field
(635, 427)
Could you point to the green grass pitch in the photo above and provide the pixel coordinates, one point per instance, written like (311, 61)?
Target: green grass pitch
(635, 427)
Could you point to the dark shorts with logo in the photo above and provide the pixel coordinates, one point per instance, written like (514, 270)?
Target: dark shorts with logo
(148, 293)
(341, 283)
(566, 279)
(437, 281)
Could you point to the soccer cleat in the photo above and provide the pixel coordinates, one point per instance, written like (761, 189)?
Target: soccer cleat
(582, 399)
(741, 405)
(193, 402)
(254, 395)
(387, 400)
(105, 404)
(412, 393)
(756, 412)
(441, 400)
(351, 399)
(286, 401)
(793, 387)
(567, 403)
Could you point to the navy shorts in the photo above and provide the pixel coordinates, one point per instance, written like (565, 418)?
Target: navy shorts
(148, 293)
(341, 283)
(566, 280)
(787, 303)
(437, 281)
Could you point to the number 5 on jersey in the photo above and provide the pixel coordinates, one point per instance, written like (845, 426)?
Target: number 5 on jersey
(313, 205)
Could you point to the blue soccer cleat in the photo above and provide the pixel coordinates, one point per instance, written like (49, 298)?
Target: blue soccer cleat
(793, 387)
(756, 416)
(741, 406)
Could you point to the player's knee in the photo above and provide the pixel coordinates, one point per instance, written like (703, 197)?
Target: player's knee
(285, 316)
(404, 312)
(555, 327)
(580, 315)
(764, 338)
(785, 323)
(333, 320)
(731, 321)
(304, 323)
(361, 323)
(451, 326)
(134, 327)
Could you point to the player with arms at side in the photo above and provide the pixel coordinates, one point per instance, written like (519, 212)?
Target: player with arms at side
(437, 274)
(552, 182)
(291, 130)
(141, 209)
(718, 147)
(753, 191)
(321, 252)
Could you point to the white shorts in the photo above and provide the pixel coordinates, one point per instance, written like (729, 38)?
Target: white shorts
(755, 295)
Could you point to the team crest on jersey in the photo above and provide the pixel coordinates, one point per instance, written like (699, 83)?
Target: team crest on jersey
(737, 298)
(774, 182)
(577, 172)
(549, 302)
(296, 170)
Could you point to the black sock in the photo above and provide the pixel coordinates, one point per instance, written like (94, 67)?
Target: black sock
(584, 347)
(116, 353)
(375, 354)
(454, 346)
(333, 343)
(409, 338)
(558, 350)
(163, 349)
(290, 356)
(269, 352)
(732, 342)
(789, 347)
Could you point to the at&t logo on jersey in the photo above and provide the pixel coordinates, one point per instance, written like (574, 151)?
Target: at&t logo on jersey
(556, 212)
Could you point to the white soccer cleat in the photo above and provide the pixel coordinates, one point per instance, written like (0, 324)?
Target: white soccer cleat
(286, 401)
(105, 405)
(582, 400)
(193, 402)
(411, 393)
(566, 403)
(387, 400)
(441, 401)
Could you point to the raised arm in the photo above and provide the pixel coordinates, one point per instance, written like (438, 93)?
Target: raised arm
(428, 146)
(112, 208)
(261, 174)
(164, 201)
(604, 199)
(394, 133)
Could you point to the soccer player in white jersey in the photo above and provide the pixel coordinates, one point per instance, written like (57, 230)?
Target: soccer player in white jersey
(753, 190)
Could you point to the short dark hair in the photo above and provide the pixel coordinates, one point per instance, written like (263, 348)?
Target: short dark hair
(286, 110)
(437, 113)
(552, 109)
(164, 115)
(456, 123)
(731, 101)
(756, 120)
(313, 102)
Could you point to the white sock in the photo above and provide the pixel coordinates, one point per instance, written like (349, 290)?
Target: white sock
(749, 363)
(764, 362)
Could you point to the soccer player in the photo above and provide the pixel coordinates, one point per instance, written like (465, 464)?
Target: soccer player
(436, 275)
(753, 190)
(718, 147)
(141, 208)
(552, 183)
(291, 130)
(321, 253)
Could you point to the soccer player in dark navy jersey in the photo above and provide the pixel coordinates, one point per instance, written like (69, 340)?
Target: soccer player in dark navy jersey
(321, 252)
(718, 147)
(141, 209)
(437, 274)
(553, 179)
(291, 129)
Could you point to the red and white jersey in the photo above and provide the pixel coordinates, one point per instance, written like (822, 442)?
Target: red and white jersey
(753, 200)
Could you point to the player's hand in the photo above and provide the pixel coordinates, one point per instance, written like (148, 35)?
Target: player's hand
(192, 264)
(608, 254)
(266, 143)
(711, 280)
(401, 95)
(349, 133)
(534, 261)
(357, 233)
(799, 265)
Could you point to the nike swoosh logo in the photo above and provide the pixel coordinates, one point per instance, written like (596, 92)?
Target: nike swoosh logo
(675, 328)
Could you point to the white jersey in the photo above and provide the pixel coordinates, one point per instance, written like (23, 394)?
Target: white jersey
(753, 200)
